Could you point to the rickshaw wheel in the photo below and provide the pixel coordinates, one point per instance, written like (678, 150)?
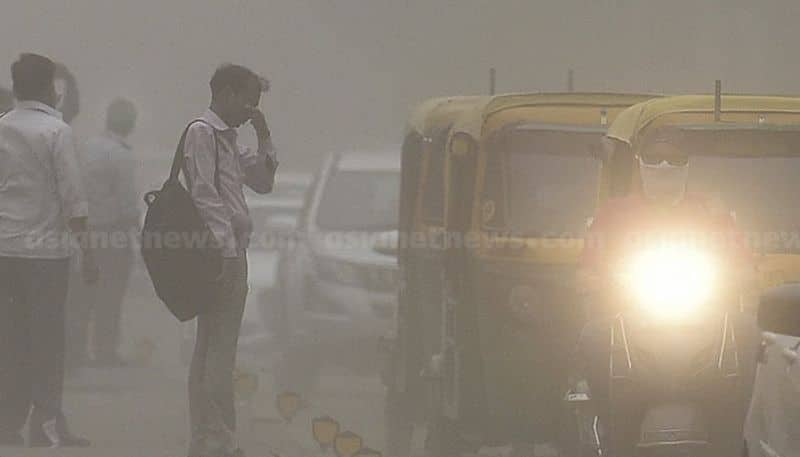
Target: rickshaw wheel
(443, 439)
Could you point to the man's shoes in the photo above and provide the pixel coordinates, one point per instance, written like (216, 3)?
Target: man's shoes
(51, 434)
(11, 439)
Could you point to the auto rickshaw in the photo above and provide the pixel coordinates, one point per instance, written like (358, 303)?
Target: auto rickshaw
(420, 256)
(744, 157)
(761, 201)
(524, 175)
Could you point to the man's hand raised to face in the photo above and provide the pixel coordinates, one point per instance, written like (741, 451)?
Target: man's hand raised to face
(259, 122)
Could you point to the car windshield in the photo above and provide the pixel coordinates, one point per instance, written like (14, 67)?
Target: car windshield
(754, 175)
(552, 181)
(360, 200)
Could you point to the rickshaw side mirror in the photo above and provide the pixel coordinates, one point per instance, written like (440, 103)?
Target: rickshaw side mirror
(779, 310)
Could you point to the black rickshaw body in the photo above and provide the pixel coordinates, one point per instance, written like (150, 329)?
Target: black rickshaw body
(420, 256)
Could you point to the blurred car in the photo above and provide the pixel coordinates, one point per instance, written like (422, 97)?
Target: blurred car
(773, 423)
(274, 218)
(341, 276)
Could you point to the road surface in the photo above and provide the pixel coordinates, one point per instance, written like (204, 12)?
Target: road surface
(141, 410)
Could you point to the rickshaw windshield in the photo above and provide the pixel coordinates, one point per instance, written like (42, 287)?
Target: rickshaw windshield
(552, 179)
(754, 174)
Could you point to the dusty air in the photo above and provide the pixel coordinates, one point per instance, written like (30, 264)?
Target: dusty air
(399, 229)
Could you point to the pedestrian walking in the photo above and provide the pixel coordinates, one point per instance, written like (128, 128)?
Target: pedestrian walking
(41, 201)
(109, 168)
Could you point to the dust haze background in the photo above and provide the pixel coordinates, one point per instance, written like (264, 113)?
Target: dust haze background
(346, 72)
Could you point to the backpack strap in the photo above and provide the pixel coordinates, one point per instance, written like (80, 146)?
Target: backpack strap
(179, 160)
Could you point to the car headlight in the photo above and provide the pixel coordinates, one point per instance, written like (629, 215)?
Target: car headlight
(671, 282)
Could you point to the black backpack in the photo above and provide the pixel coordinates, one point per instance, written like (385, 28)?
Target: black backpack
(179, 251)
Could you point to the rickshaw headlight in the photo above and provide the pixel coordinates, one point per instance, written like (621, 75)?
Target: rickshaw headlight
(461, 144)
(671, 282)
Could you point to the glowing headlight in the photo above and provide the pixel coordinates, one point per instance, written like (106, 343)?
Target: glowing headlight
(671, 281)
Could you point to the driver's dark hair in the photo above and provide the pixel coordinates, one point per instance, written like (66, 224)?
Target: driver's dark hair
(32, 76)
(236, 77)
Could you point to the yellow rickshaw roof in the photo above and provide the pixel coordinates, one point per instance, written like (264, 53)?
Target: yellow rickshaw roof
(439, 112)
(589, 99)
(691, 109)
(545, 105)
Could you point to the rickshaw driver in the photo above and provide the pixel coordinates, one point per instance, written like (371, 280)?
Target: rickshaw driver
(663, 208)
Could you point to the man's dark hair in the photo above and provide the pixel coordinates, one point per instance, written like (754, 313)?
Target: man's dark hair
(6, 100)
(236, 77)
(32, 76)
(121, 116)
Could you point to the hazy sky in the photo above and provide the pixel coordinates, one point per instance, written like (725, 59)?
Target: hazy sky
(346, 72)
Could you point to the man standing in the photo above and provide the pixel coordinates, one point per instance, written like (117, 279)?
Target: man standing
(109, 171)
(216, 171)
(41, 201)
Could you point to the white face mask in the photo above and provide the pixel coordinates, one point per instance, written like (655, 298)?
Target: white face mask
(664, 182)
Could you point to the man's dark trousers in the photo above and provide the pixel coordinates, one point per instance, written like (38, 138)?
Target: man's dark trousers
(32, 296)
(211, 397)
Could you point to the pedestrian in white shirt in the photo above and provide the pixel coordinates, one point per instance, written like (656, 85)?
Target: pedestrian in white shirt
(109, 170)
(41, 202)
(216, 169)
